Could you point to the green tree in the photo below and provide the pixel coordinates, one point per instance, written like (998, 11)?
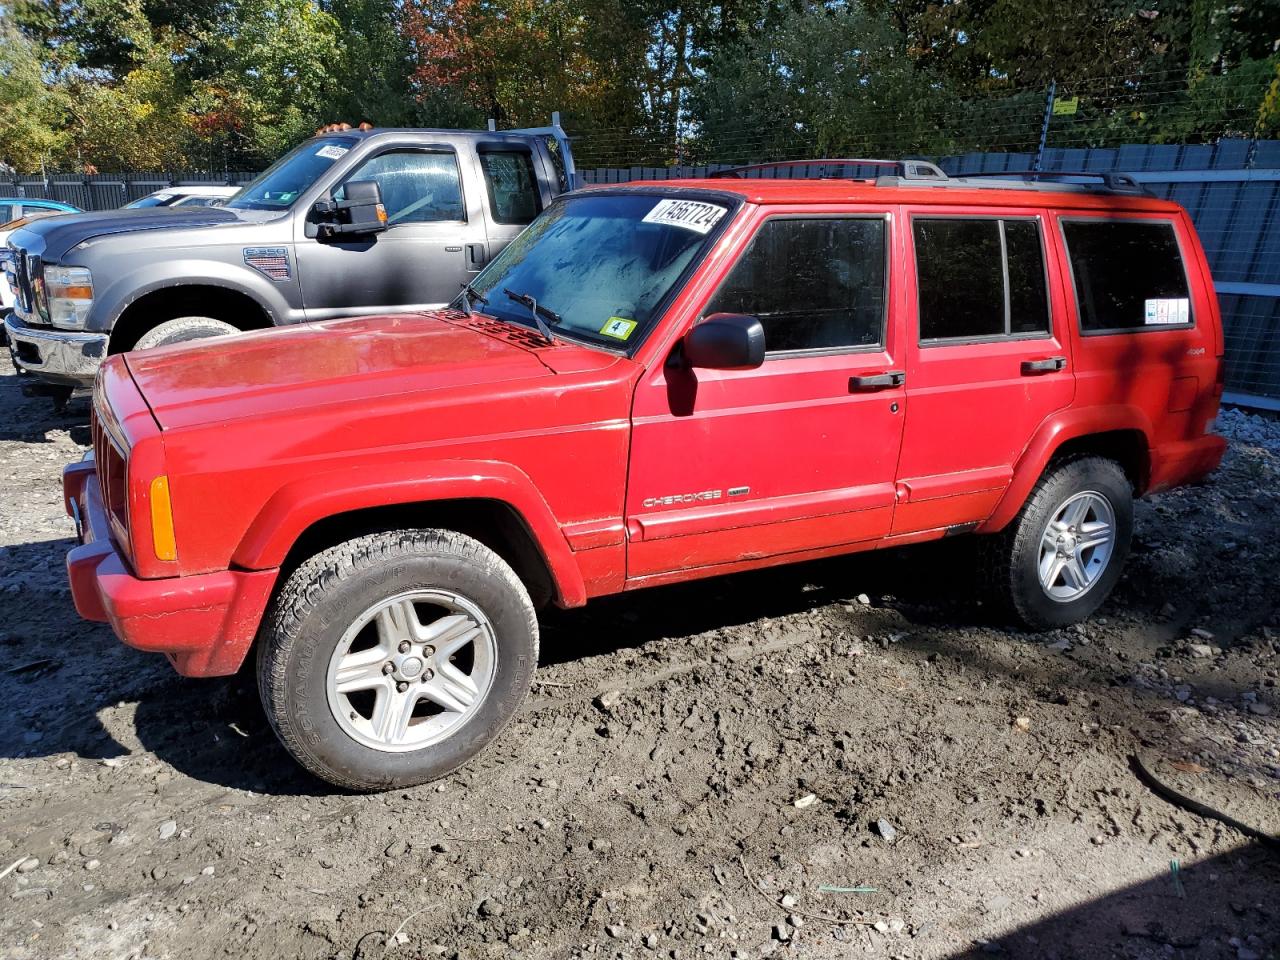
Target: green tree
(31, 112)
(828, 80)
(264, 78)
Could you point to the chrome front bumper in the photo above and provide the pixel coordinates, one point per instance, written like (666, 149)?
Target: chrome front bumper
(58, 356)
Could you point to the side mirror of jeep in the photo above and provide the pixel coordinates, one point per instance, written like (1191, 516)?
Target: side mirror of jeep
(725, 341)
(359, 212)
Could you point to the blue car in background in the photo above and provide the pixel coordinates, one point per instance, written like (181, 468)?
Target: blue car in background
(11, 208)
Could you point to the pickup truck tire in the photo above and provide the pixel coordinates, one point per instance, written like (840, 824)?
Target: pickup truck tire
(1061, 557)
(392, 659)
(181, 329)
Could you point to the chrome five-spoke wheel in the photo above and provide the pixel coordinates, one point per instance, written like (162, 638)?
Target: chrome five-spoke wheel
(411, 669)
(1076, 546)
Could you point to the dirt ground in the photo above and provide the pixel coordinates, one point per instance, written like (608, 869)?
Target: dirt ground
(695, 770)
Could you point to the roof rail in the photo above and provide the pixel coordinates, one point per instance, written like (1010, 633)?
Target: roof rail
(905, 169)
(1111, 181)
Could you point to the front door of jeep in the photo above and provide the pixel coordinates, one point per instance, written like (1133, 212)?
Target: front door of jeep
(797, 456)
(418, 262)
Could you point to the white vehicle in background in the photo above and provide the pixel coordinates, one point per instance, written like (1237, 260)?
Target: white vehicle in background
(198, 195)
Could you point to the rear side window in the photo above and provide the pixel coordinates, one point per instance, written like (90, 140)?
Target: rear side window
(512, 185)
(980, 278)
(814, 284)
(1128, 274)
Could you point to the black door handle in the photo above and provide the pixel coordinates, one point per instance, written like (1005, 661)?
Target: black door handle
(476, 255)
(1049, 365)
(879, 381)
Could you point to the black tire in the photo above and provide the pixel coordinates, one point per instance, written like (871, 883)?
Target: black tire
(328, 593)
(1013, 556)
(182, 329)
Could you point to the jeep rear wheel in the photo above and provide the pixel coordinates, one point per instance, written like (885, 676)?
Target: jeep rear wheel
(182, 329)
(1063, 554)
(392, 659)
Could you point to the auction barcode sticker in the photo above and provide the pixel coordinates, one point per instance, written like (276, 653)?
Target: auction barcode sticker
(690, 214)
(332, 152)
(1170, 310)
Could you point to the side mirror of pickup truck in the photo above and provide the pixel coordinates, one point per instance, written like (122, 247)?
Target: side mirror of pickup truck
(725, 341)
(359, 212)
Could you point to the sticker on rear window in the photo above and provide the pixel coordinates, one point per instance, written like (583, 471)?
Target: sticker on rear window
(690, 214)
(331, 152)
(1170, 310)
(618, 327)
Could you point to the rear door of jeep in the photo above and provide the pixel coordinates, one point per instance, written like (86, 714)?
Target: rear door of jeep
(988, 357)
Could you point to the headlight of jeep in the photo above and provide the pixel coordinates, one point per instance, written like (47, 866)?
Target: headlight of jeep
(68, 295)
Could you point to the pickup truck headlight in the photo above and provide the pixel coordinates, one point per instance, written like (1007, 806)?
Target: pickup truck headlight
(67, 293)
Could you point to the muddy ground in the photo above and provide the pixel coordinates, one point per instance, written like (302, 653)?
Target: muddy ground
(859, 725)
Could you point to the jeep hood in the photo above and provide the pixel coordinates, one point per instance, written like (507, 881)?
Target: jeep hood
(340, 362)
(53, 237)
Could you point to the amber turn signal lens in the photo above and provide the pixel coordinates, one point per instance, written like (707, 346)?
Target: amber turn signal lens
(162, 538)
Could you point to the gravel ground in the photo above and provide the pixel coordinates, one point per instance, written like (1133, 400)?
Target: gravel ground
(831, 760)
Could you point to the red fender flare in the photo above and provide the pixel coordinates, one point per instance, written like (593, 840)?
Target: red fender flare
(298, 505)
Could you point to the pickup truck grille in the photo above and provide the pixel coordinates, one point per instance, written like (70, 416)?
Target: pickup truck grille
(21, 268)
(110, 463)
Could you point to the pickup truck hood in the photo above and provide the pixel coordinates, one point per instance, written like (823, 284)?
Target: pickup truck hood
(300, 368)
(54, 237)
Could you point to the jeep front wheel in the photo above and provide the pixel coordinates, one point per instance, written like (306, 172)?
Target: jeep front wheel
(392, 659)
(182, 329)
(1063, 554)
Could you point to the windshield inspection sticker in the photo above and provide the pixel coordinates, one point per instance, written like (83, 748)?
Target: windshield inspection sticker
(1170, 310)
(618, 327)
(331, 152)
(689, 214)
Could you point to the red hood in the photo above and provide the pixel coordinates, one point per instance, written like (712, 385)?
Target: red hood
(305, 366)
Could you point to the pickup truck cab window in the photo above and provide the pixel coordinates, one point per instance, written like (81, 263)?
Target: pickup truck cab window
(605, 264)
(418, 186)
(1128, 275)
(292, 175)
(814, 283)
(980, 278)
(512, 185)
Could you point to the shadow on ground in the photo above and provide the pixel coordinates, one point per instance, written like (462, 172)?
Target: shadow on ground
(1185, 914)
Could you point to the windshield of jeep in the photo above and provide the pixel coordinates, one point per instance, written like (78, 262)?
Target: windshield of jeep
(605, 263)
(292, 175)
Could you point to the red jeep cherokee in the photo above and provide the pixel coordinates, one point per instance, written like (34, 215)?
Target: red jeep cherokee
(655, 382)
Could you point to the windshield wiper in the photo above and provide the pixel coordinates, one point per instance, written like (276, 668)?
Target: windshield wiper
(470, 293)
(537, 312)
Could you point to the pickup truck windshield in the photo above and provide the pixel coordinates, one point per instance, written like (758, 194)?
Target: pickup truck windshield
(292, 175)
(604, 263)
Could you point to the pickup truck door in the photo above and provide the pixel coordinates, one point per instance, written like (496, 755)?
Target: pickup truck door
(419, 262)
(516, 184)
(796, 457)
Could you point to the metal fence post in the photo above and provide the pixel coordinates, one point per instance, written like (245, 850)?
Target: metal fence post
(1044, 125)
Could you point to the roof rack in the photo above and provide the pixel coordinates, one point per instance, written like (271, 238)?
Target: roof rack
(905, 169)
(1112, 182)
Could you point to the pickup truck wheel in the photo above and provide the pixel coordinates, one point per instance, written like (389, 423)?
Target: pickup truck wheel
(1062, 556)
(181, 329)
(392, 659)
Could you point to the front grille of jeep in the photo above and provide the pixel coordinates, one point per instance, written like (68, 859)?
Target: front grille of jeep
(111, 464)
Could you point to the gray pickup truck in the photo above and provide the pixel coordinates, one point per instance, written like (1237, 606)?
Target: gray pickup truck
(348, 223)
